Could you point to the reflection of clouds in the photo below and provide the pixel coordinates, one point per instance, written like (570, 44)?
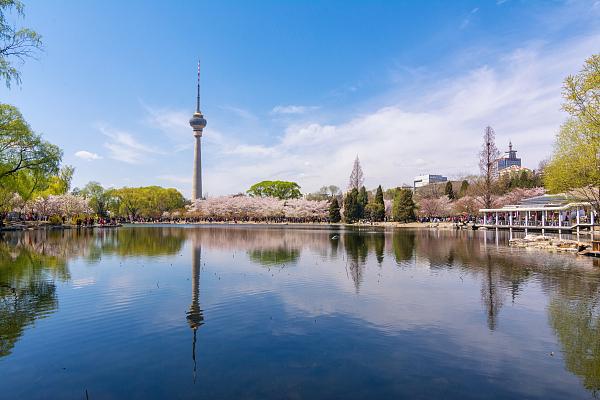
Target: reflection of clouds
(426, 283)
(82, 282)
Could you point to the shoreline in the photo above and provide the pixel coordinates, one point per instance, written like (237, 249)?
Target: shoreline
(407, 225)
(27, 226)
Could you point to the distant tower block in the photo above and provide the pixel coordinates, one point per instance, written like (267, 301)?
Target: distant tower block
(197, 122)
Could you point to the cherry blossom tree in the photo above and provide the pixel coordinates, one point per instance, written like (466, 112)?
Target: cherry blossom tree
(435, 207)
(229, 208)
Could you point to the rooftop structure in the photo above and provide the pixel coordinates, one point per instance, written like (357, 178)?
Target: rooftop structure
(424, 180)
(510, 160)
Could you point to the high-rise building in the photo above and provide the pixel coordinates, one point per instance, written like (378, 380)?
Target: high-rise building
(511, 160)
(197, 122)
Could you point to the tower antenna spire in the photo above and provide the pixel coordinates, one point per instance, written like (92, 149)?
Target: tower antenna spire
(198, 94)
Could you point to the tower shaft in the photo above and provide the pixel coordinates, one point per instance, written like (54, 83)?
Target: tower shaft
(198, 123)
(197, 178)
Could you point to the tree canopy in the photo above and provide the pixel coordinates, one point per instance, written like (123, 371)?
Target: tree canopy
(27, 162)
(282, 190)
(99, 198)
(403, 208)
(146, 202)
(575, 163)
(16, 44)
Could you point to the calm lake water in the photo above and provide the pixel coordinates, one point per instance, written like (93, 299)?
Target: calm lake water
(234, 312)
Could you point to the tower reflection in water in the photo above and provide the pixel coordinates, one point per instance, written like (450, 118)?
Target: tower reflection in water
(194, 315)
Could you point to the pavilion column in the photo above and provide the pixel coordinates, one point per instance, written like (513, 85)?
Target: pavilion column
(526, 218)
(510, 218)
(544, 218)
(496, 218)
(559, 219)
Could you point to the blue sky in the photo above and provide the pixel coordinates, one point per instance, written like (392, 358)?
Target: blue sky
(295, 90)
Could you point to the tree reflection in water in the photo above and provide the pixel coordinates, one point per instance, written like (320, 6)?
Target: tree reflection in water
(32, 262)
(576, 322)
(357, 249)
(274, 257)
(27, 290)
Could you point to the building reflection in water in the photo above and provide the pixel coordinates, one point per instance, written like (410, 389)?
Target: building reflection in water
(195, 318)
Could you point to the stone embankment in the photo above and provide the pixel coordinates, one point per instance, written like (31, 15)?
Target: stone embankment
(551, 244)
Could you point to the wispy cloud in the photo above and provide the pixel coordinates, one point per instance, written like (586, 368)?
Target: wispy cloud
(124, 147)
(176, 179)
(467, 20)
(86, 155)
(292, 109)
(438, 132)
(240, 112)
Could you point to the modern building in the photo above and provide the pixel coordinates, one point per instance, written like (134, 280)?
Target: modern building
(198, 123)
(510, 160)
(424, 180)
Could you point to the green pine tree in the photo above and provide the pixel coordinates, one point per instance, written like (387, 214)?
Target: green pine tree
(448, 191)
(464, 187)
(362, 200)
(378, 208)
(403, 208)
(351, 207)
(334, 211)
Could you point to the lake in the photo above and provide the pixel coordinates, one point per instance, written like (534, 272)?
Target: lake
(297, 312)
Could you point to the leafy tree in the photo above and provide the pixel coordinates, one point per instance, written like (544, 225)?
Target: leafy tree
(582, 100)
(464, 187)
(145, 202)
(390, 193)
(26, 160)
(282, 190)
(356, 177)
(16, 44)
(333, 190)
(334, 211)
(448, 191)
(60, 183)
(403, 207)
(575, 163)
(351, 206)
(99, 198)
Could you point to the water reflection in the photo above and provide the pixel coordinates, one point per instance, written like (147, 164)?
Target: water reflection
(27, 288)
(195, 316)
(498, 278)
(274, 257)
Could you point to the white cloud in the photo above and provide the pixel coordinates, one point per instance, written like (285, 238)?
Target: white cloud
(292, 109)
(124, 147)
(240, 112)
(435, 130)
(86, 155)
(439, 132)
(176, 179)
